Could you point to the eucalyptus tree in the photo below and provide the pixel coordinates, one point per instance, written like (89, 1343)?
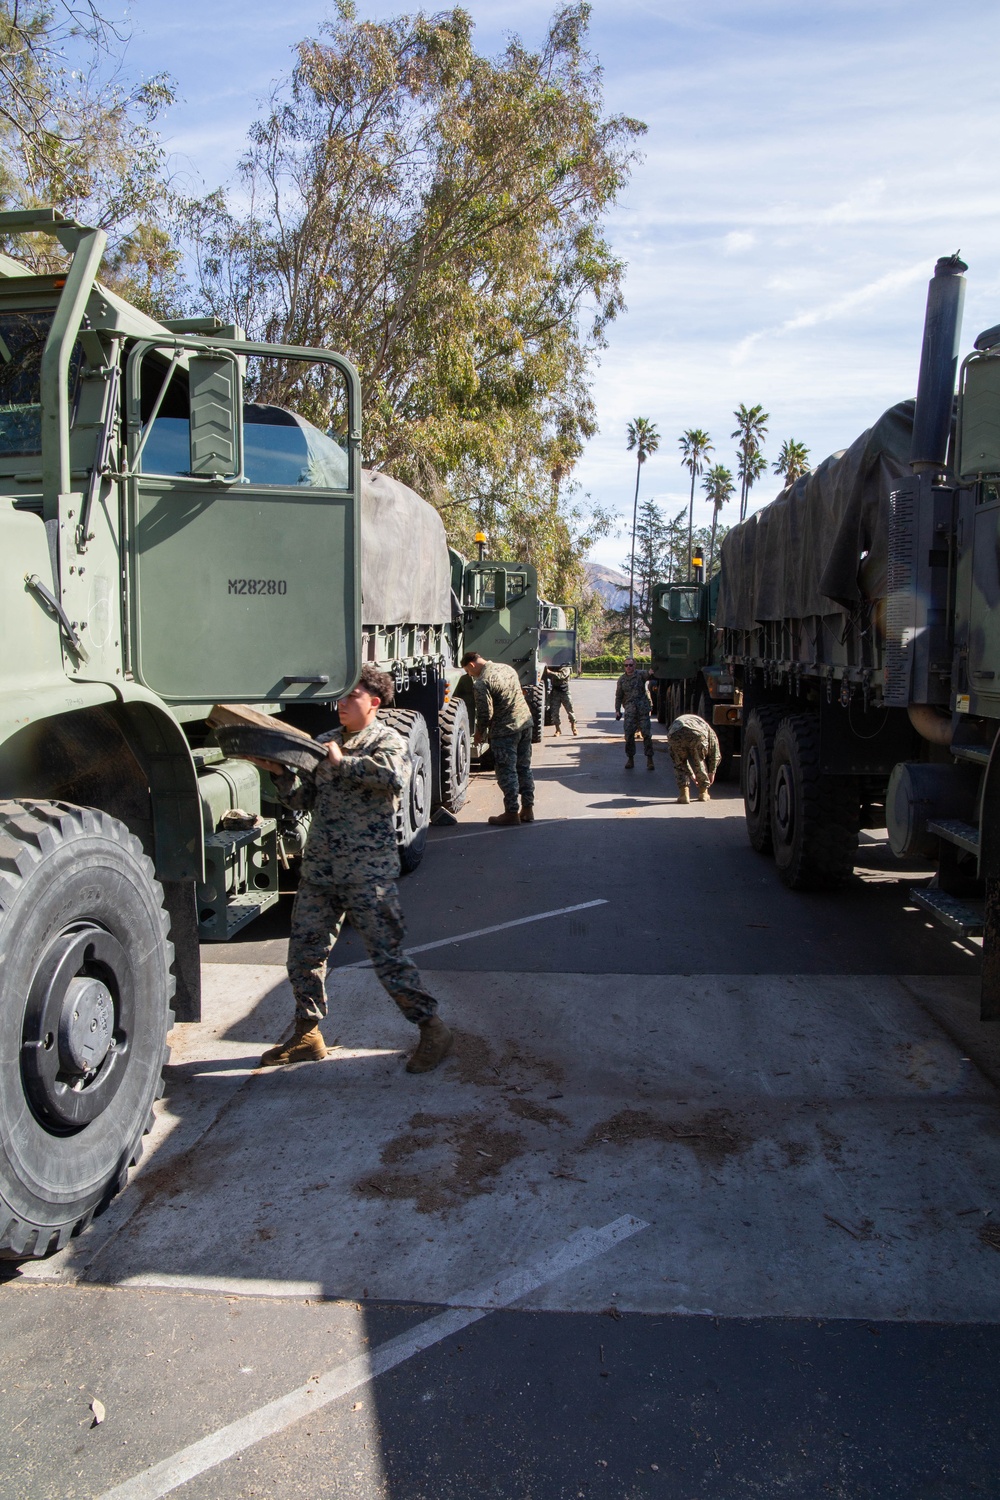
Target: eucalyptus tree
(751, 429)
(643, 439)
(76, 134)
(719, 488)
(792, 461)
(695, 448)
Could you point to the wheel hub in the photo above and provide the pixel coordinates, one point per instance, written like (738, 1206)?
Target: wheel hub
(77, 1027)
(784, 804)
(753, 779)
(85, 1026)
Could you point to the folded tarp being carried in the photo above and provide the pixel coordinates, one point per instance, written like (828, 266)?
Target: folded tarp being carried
(823, 544)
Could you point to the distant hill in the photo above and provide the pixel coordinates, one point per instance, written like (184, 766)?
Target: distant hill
(609, 583)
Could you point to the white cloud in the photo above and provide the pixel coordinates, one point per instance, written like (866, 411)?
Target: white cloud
(737, 241)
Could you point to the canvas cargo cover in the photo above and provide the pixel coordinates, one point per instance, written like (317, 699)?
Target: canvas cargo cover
(405, 568)
(822, 545)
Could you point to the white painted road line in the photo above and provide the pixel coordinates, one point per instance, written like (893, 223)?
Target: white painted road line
(463, 937)
(219, 1446)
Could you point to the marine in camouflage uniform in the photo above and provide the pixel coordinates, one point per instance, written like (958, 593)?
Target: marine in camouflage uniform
(349, 869)
(503, 715)
(559, 698)
(695, 752)
(632, 699)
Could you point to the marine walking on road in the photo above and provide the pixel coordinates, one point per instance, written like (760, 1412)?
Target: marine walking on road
(632, 699)
(557, 679)
(504, 718)
(695, 752)
(349, 869)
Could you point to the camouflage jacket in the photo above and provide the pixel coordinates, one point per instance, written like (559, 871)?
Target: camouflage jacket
(687, 727)
(353, 805)
(559, 678)
(630, 692)
(501, 707)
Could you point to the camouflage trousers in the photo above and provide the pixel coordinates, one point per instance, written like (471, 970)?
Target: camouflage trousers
(559, 699)
(373, 909)
(687, 751)
(638, 719)
(512, 763)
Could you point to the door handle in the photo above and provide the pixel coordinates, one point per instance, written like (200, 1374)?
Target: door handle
(318, 679)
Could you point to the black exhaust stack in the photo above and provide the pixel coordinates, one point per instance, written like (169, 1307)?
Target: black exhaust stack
(938, 367)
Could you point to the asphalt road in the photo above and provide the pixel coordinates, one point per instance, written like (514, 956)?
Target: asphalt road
(704, 1205)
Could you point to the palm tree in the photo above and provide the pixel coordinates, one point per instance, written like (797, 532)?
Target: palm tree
(751, 429)
(644, 438)
(792, 461)
(695, 446)
(719, 487)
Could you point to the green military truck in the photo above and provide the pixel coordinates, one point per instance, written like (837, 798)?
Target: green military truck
(504, 619)
(861, 617)
(174, 534)
(687, 676)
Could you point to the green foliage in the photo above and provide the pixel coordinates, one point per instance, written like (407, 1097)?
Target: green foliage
(436, 214)
(695, 447)
(792, 461)
(73, 136)
(751, 429)
(610, 664)
(719, 488)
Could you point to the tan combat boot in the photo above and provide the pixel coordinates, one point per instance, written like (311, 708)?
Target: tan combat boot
(558, 730)
(305, 1044)
(684, 795)
(527, 812)
(434, 1045)
(572, 725)
(703, 794)
(504, 820)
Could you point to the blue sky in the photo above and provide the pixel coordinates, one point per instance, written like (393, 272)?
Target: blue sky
(805, 166)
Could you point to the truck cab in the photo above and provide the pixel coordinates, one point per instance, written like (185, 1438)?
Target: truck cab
(687, 675)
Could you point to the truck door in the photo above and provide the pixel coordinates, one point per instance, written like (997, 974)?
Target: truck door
(678, 634)
(243, 527)
(500, 609)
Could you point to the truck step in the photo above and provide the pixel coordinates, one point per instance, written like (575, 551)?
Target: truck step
(976, 755)
(954, 831)
(963, 917)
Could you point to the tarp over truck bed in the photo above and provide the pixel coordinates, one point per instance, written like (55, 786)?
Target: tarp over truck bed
(822, 545)
(405, 568)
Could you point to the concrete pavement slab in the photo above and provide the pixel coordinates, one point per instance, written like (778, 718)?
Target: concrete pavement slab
(802, 1146)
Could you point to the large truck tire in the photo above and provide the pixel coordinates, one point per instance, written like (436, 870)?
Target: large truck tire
(85, 991)
(536, 702)
(814, 818)
(413, 810)
(456, 754)
(755, 775)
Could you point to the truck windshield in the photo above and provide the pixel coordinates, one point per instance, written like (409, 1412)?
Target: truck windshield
(22, 339)
(683, 605)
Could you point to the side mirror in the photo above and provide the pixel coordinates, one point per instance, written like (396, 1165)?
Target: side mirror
(216, 411)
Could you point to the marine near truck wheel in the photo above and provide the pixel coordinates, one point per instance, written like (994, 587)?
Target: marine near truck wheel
(456, 754)
(814, 817)
(84, 1016)
(413, 811)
